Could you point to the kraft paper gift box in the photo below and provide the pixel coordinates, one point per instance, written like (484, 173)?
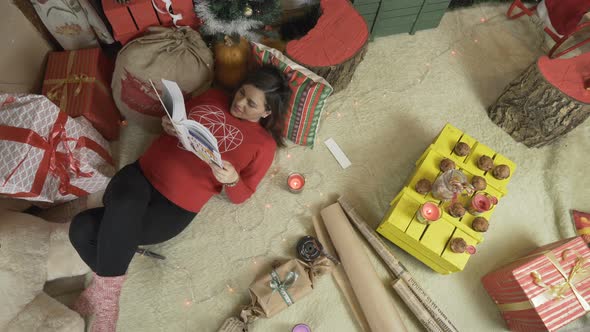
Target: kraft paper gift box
(79, 83)
(283, 286)
(544, 290)
(48, 156)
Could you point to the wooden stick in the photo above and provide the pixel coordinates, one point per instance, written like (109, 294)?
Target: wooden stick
(396, 267)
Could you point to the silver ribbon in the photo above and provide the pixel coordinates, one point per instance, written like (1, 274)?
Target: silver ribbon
(282, 286)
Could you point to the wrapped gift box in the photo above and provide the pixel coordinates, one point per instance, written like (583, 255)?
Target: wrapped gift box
(131, 19)
(79, 83)
(544, 290)
(48, 156)
(296, 283)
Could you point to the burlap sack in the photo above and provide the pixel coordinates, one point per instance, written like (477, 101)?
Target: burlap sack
(176, 54)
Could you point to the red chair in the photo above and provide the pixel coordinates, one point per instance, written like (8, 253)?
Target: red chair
(559, 39)
(524, 10)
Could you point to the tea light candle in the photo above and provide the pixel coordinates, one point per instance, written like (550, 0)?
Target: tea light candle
(428, 212)
(480, 203)
(295, 182)
(301, 328)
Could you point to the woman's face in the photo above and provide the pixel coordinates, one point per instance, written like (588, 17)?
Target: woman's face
(249, 104)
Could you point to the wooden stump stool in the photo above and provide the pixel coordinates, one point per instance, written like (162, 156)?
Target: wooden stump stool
(545, 102)
(335, 46)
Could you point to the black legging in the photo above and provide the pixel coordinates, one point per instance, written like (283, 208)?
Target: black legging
(134, 214)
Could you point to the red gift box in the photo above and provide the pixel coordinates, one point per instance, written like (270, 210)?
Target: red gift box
(46, 155)
(544, 290)
(131, 19)
(79, 83)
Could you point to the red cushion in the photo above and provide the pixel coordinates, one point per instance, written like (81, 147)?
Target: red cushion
(568, 75)
(338, 35)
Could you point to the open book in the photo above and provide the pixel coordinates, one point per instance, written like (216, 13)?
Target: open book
(193, 136)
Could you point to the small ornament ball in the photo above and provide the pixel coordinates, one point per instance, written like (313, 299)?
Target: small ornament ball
(248, 11)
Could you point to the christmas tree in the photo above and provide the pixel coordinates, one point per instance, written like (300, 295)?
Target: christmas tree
(245, 18)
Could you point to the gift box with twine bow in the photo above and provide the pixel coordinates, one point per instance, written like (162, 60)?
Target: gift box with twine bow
(78, 82)
(544, 290)
(283, 286)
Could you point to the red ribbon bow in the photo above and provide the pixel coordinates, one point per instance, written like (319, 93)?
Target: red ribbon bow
(62, 165)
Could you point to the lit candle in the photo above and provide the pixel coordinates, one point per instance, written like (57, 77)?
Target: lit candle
(295, 182)
(301, 328)
(481, 203)
(428, 213)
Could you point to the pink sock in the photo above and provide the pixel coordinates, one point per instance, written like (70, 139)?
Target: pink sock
(106, 307)
(101, 299)
(82, 304)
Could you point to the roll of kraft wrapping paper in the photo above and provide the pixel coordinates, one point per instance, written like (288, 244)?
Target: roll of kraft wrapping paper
(340, 276)
(368, 288)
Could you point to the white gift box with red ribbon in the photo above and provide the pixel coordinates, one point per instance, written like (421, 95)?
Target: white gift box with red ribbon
(48, 156)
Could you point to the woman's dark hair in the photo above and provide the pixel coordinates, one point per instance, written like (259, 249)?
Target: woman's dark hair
(276, 90)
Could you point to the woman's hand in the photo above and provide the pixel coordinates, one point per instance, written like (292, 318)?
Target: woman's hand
(228, 175)
(168, 127)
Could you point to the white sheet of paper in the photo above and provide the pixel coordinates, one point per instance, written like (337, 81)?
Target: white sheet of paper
(337, 153)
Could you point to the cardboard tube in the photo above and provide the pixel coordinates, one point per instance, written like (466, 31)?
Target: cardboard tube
(415, 305)
(374, 300)
(396, 267)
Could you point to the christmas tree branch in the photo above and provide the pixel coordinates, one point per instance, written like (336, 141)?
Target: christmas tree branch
(212, 25)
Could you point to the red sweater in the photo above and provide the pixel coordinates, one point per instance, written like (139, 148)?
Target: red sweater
(188, 181)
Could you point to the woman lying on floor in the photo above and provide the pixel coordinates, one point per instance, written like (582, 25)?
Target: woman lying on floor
(156, 197)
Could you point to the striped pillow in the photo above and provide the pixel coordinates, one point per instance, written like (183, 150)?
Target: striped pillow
(308, 98)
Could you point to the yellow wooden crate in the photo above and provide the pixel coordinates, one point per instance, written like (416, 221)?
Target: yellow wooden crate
(430, 243)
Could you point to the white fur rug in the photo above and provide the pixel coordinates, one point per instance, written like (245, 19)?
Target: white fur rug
(401, 96)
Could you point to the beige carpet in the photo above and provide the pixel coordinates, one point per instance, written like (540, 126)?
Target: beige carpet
(402, 94)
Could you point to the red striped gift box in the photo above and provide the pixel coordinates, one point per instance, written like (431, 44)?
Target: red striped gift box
(544, 290)
(79, 83)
